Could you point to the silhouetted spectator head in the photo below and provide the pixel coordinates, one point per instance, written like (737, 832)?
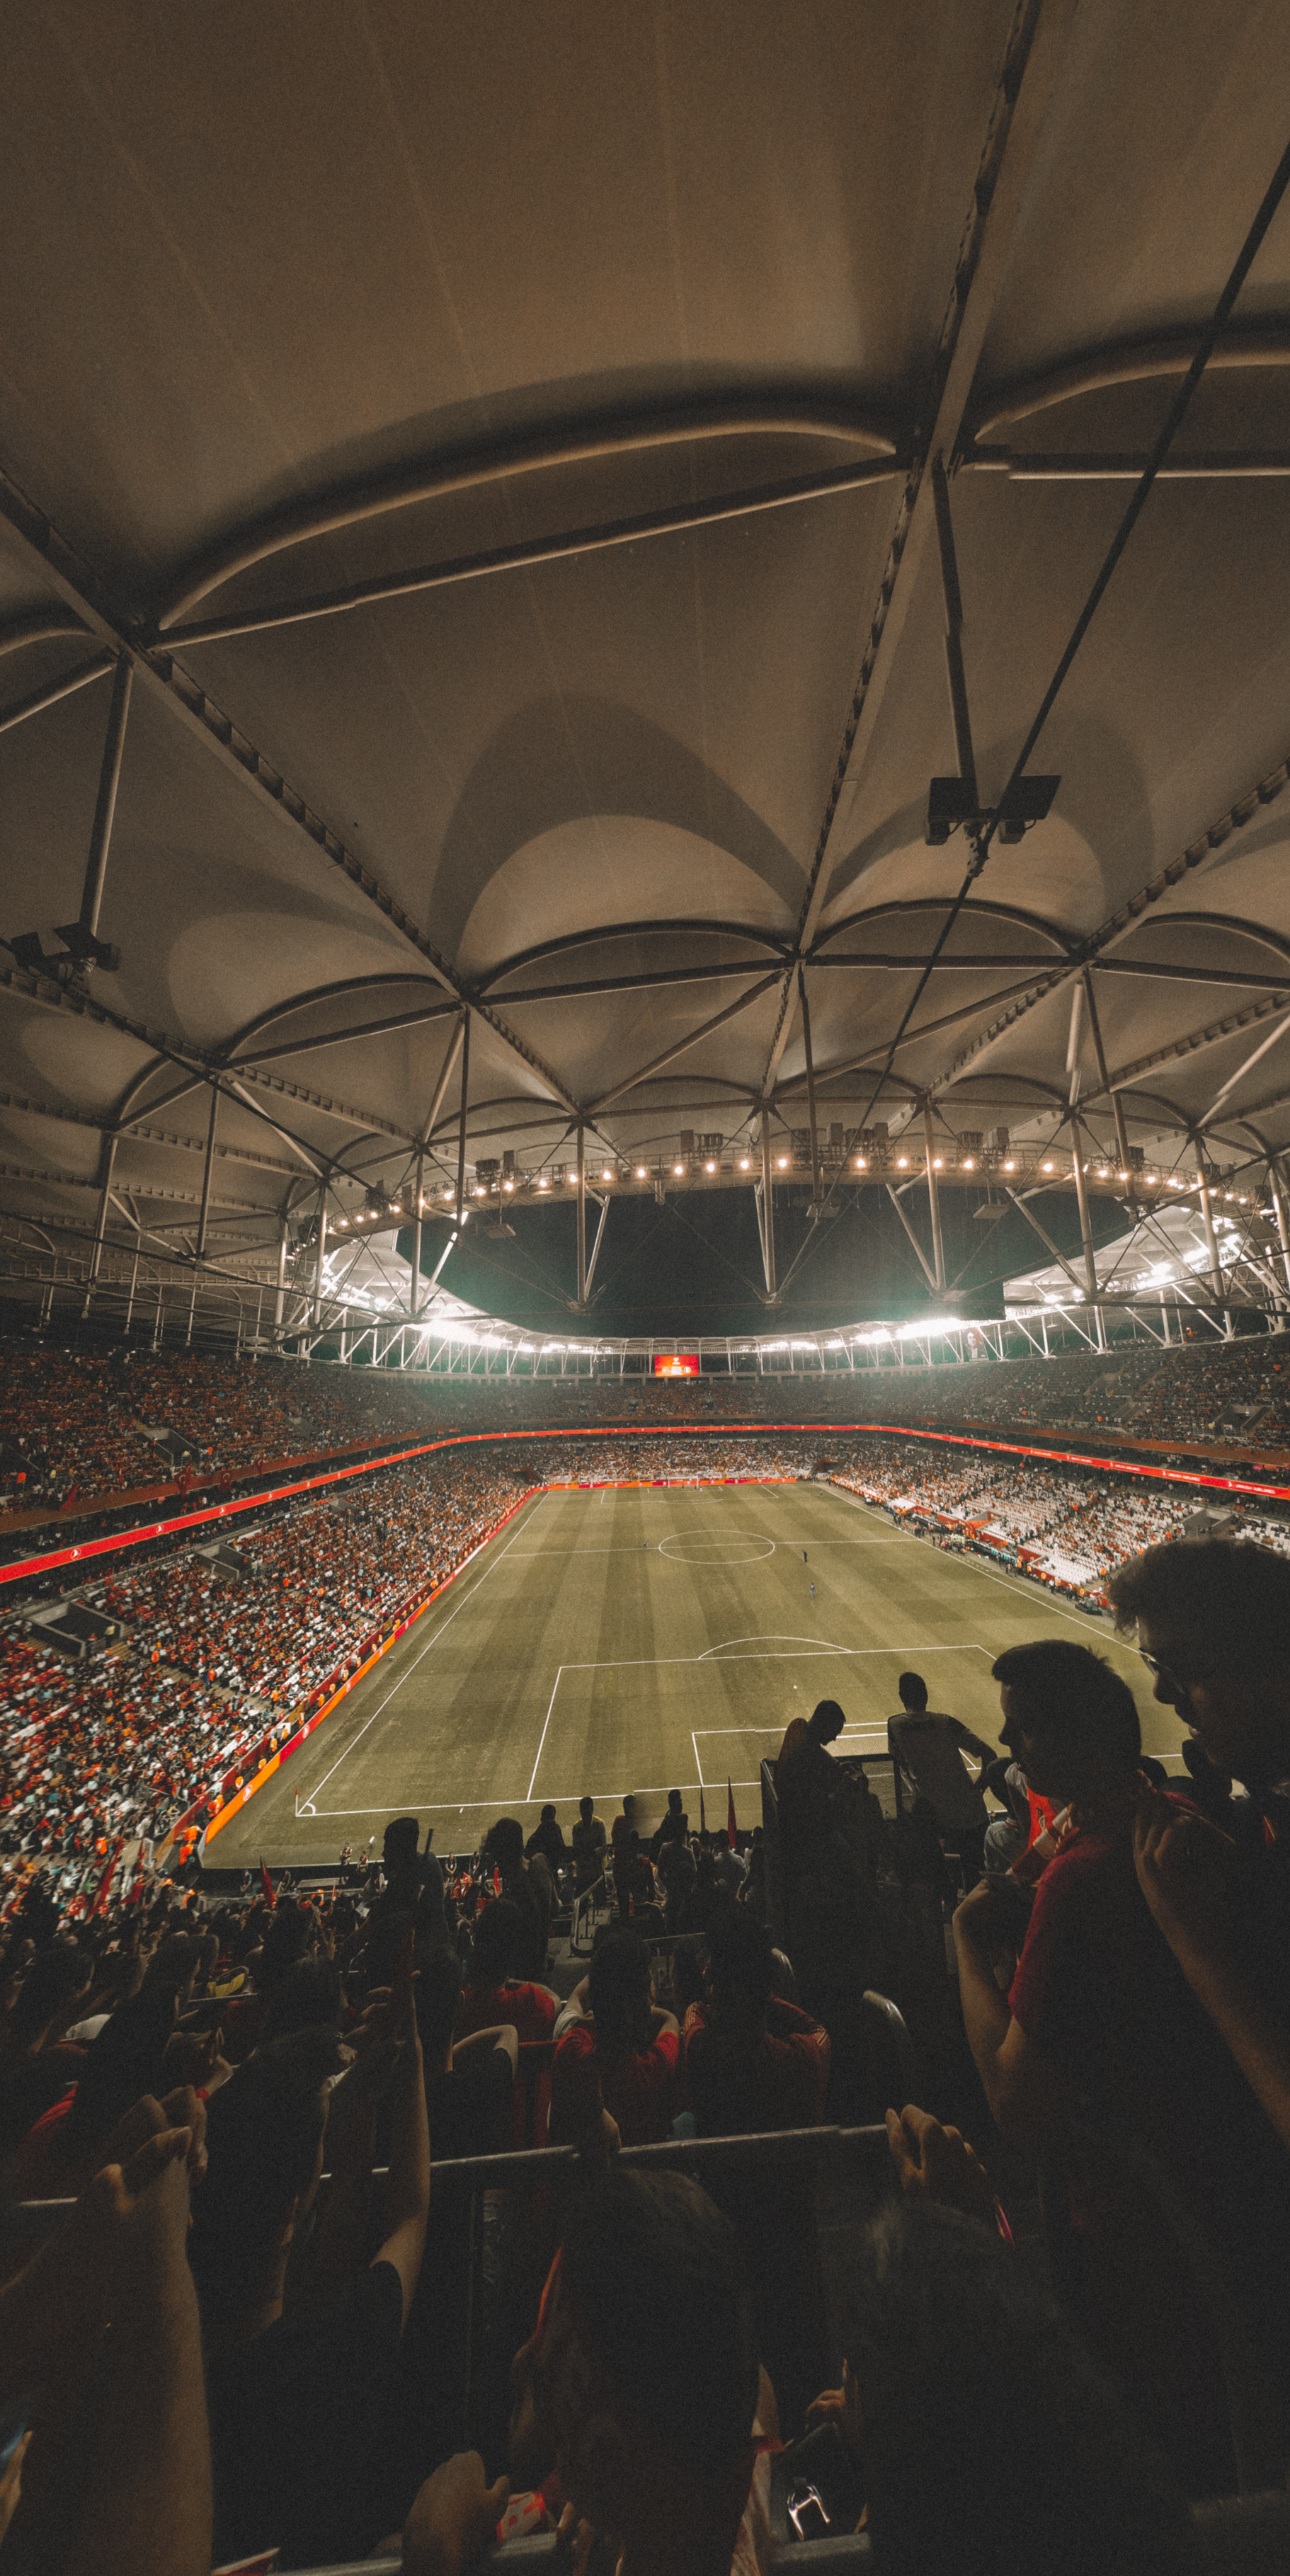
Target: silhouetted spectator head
(548, 1813)
(438, 1995)
(173, 1966)
(741, 1973)
(913, 1693)
(619, 1992)
(264, 2142)
(499, 1939)
(309, 1997)
(505, 1845)
(1213, 1617)
(826, 1721)
(586, 1809)
(55, 1977)
(399, 1844)
(674, 1801)
(1068, 1719)
(946, 2338)
(288, 1936)
(641, 2379)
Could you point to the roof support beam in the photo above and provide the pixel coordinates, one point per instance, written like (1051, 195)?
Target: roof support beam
(1028, 81)
(48, 555)
(1047, 1240)
(776, 415)
(51, 692)
(1125, 920)
(105, 808)
(523, 555)
(928, 1272)
(596, 1108)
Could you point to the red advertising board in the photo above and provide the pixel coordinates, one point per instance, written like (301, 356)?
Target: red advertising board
(678, 1364)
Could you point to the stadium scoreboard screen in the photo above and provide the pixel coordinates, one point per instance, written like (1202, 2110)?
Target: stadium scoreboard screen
(678, 1364)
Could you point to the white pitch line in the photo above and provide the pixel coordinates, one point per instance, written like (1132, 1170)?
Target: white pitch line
(397, 1686)
(549, 1706)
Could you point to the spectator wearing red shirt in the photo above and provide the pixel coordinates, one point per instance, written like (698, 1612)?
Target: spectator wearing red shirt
(495, 1996)
(1099, 2036)
(754, 2062)
(620, 2051)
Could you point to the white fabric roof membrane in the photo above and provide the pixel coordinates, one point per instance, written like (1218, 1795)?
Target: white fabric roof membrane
(501, 451)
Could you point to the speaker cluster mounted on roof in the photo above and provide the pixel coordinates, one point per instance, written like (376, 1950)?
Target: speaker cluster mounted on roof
(951, 804)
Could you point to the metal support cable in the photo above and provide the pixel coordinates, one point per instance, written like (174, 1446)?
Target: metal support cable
(461, 1130)
(1177, 412)
(934, 1198)
(810, 1084)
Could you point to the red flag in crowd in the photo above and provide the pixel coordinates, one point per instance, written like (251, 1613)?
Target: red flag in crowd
(731, 1827)
(267, 1884)
(101, 1891)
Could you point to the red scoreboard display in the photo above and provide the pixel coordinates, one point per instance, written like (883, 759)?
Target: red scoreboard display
(678, 1364)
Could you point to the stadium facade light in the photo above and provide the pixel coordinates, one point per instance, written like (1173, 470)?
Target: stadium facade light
(783, 1162)
(902, 1162)
(938, 1163)
(1010, 1167)
(1048, 1167)
(679, 1169)
(708, 1167)
(861, 1165)
(969, 1166)
(743, 1165)
(543, 1182)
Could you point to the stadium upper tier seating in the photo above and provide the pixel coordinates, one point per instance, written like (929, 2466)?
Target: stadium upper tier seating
(77, 1428)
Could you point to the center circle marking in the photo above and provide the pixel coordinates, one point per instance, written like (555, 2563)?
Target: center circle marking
(696, 1547)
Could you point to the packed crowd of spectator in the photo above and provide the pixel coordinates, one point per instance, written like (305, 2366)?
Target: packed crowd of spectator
(1052, 2326)
(206, 1661)
(1058, 1514)
(75, 1428)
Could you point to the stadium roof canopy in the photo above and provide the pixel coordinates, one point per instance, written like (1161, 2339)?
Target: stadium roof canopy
(495, 507)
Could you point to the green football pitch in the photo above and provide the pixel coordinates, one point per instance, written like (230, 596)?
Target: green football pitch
(645, 1638)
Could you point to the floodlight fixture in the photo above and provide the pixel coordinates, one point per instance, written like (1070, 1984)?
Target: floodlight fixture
(969, 1166)
(679, 1169)
(641, 1173)
(783, 1162)
(1010, 1167)
(902, 1162)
